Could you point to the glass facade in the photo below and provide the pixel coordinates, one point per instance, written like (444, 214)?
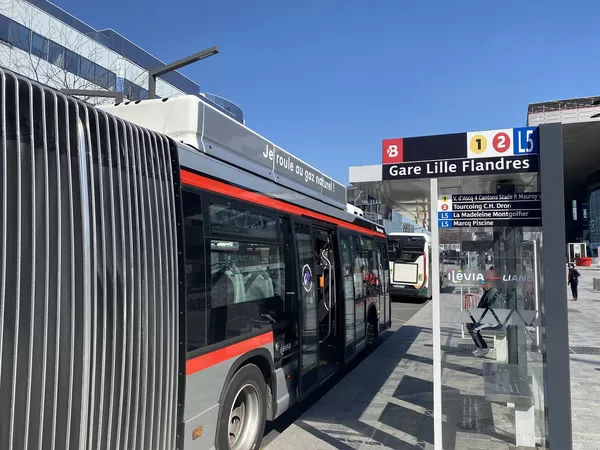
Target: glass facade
(114, 41)
(234, 110)
(591, 214)
(24, 39)
(594, 221)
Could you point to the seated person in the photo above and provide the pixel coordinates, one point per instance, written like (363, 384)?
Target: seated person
(491, 297)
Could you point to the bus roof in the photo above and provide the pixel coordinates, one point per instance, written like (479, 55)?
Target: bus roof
(188, 119)
(211, 143)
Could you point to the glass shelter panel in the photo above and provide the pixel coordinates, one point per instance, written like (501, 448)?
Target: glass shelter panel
(492, 354)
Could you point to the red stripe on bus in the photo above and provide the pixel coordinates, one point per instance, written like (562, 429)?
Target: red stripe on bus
(218, 356)
(209, 184)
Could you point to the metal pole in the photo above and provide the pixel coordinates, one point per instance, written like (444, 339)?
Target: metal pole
(154, 73)
(118, 96)
(151, 85)
(555, 317)
(436, 316)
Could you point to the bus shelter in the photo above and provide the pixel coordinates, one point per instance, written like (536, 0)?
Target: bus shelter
(499, 311)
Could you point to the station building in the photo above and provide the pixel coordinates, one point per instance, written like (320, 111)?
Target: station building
(580, 118)
(43, 42)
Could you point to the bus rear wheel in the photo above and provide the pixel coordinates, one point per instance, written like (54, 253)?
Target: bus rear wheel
(243, 411)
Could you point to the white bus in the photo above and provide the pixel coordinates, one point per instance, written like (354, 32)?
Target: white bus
(410, 264)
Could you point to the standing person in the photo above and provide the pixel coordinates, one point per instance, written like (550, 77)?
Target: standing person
(491, 297)
(573, 280)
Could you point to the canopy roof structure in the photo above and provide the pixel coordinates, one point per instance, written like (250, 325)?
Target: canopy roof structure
(411, 198)
(581, 143)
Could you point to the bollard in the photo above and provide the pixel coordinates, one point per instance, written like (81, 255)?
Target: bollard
(595, 284)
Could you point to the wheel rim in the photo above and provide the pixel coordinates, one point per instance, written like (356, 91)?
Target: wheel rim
(244, 418)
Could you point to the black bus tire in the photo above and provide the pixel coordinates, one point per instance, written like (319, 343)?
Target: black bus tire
(248, 386)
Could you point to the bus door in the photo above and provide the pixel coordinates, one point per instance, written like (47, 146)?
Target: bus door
(327, 309)
(318, 311)
(382, 281)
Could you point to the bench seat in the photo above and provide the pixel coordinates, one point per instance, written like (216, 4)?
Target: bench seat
(508, 383)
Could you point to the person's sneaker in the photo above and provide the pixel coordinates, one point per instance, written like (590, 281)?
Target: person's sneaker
(481, 352)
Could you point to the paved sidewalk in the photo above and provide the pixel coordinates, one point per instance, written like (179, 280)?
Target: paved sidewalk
(387, 401)
(584, 334)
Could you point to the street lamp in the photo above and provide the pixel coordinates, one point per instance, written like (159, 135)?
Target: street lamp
(153, 74)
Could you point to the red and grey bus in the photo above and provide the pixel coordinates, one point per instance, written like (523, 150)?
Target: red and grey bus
(168, 277)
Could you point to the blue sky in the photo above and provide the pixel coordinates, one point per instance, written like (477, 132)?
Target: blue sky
(328, 80)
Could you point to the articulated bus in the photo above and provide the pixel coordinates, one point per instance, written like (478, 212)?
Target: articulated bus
(410, 264)
(168, 277)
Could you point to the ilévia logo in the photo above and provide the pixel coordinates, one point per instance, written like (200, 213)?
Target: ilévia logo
(306, 278)
(392, 151)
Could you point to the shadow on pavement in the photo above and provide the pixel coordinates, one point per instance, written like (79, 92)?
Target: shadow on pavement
(280, 424)
(346, 414)
(387, 401)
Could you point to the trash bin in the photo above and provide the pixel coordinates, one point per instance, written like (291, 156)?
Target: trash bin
(584, 261)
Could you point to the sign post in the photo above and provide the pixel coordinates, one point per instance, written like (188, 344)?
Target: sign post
(436, 317)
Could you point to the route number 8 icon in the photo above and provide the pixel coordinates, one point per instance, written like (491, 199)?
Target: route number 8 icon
(392, 151)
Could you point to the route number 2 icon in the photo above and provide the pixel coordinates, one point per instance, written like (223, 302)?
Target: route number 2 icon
(501, 142)
(444, 207)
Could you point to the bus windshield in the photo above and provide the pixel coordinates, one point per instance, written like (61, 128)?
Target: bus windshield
(409, 264)
(406, 248)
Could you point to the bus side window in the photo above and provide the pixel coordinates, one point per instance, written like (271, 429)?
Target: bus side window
(195, 270)
(367, 255)
(247, 271)
(348, 277)
(355, 246)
